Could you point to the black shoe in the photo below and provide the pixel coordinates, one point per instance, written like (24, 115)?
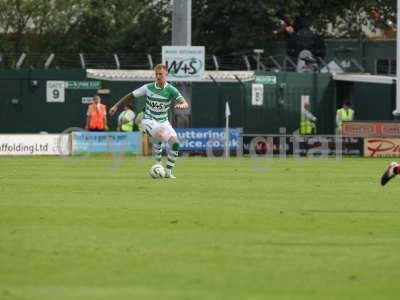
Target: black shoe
(389, 174)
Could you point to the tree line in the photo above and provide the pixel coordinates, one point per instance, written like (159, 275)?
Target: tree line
(223, 26)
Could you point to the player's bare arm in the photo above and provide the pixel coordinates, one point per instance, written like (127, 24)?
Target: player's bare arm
(182, 104)
(114, 108)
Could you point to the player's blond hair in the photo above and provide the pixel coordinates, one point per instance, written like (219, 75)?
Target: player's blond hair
(160, 67)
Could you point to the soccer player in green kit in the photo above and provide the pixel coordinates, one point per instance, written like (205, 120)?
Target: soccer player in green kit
(160, 96)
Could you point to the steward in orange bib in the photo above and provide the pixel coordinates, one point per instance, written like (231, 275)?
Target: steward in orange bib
(96, 116)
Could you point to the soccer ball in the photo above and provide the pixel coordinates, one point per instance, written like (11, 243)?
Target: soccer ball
(157, 171)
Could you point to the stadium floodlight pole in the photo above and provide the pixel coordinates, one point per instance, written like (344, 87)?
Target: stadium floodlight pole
(182, 36)
(182, 23)
(396, 112)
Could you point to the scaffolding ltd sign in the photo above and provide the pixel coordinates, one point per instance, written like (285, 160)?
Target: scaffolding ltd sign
(184, 63)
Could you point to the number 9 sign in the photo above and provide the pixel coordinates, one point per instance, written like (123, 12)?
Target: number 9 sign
(55, 91)
(56, 94)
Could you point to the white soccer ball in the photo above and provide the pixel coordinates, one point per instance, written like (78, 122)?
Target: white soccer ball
(157, 171)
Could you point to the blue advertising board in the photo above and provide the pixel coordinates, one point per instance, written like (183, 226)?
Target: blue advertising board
(198, 140)
(106, 142)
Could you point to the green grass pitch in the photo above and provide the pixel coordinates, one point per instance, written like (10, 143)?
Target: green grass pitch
(100, 228)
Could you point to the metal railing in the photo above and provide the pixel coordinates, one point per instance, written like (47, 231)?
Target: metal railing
(229, 62)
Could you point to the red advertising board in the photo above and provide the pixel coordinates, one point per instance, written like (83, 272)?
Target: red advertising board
(381, 147)
(390, 129)
(371, 129)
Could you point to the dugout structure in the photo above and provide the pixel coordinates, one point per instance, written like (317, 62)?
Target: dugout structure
(373, 97)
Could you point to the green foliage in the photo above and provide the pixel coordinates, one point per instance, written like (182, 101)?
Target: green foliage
(147, 32)
(227, 26)
(31, 25)
(82, 25)
(224, 26)
(346, 17)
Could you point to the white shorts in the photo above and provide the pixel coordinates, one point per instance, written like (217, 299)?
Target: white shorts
(159, 129)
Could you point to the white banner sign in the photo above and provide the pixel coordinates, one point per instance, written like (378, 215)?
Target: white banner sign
(257, 94)
(34, 144)
(55, 91)
(184, 63)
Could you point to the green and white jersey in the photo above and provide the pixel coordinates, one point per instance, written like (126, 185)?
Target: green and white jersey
(158, 100)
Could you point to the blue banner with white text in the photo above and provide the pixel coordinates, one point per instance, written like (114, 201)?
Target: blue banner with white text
(106, 142)
(201, 140)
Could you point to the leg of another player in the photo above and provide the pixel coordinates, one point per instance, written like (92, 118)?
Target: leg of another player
(392, 170)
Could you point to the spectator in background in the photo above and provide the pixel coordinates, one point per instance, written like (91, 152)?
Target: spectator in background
(288, 27)
(305, 46)
(96, 116)
(344, 114)
(126, 118)
(285, 20)
(307, 123)
(138, 126)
